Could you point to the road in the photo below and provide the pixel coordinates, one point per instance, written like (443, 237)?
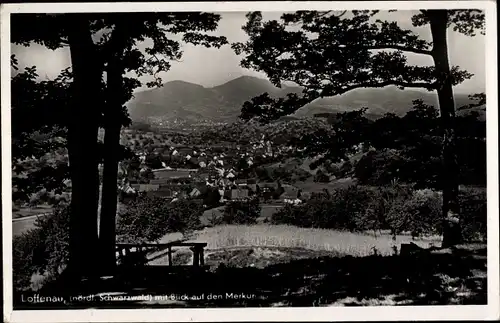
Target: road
(21, 225)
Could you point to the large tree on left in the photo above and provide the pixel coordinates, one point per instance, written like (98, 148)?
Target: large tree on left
(108, 44)
(75, 31)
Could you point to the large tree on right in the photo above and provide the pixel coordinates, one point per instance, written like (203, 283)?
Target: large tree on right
(330, 53)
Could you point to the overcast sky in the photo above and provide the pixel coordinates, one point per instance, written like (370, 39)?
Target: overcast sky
(210, 67)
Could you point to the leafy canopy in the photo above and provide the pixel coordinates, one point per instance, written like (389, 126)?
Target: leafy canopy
(48, 102)
(330, 53)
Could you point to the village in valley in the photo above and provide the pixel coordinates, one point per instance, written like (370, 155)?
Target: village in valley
(176, 171)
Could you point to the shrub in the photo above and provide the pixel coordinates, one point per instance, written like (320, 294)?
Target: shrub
(321, 177)
(346, 169)
(398, 208)
(43, 250)
(473, 215)
(425, 208)
(339, 210)
(379, 167)
(418, 213)
(241, 212)
(215, 219)
(149, 218)
(211, 198)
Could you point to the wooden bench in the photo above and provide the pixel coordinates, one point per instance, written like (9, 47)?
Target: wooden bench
(198, 248)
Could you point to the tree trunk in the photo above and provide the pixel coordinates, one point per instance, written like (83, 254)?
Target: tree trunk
(450, 172)
(107, 232)
(112, 125)
(83, 148)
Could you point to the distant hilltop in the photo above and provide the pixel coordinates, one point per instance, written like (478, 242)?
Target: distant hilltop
(185, 102)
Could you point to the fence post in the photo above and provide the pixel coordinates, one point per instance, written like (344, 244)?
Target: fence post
(170, 256)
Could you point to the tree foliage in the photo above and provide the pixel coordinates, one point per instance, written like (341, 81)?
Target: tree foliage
(149, 218)
(330, 53)
(241, 212)
(42, 250)
(39, 133)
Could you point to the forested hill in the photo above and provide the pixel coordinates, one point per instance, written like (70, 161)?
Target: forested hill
(189, 102)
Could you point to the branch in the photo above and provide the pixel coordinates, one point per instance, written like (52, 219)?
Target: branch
(343, 13)
(321, 15)
(425, 85)
(399, 47)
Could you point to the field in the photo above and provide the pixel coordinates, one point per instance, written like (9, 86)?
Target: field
(286, 236)
(310, 186)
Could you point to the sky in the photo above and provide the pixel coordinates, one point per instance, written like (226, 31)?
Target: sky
(211, 67)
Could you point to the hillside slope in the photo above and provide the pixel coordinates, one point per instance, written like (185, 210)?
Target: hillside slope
(187, 102)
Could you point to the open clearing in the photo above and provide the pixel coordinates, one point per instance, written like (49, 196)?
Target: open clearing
(286, 236)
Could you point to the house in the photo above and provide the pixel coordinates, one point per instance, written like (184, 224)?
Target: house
(194, 161)
(185, 150)
(195, 192)
(146, 187)
(127, 189)
(290, 192)
(236, 194)
(67, 183)
(221, 193)
(165, 193)
(244, 183)
(158, 181)
(269, 185)
(166, 173)
(292, 201)
(241, 182)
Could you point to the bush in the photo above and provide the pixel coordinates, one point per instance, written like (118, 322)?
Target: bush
(418, 212)
(398, 208)
(473, 215)
(215, 219)
(321, 177)
(43, 250)
(149, 218)
(241, 212)
(379, 167)
(357, 208)
(340, 210)
(211, 198)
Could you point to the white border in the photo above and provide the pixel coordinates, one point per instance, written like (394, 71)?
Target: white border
(488, 312)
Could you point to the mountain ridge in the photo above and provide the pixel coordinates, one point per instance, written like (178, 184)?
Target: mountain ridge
(190, 102)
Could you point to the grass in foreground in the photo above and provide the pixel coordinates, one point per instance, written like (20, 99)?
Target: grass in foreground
(286, 236)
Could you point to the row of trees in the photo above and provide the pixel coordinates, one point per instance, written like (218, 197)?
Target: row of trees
(104, 52)
(408, 148)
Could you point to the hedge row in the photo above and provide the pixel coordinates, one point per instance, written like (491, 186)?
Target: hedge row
(396, 208)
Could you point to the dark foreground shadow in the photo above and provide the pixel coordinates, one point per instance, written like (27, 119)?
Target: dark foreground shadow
(441, 278)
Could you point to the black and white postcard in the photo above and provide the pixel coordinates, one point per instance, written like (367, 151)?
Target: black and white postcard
(249, 161)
